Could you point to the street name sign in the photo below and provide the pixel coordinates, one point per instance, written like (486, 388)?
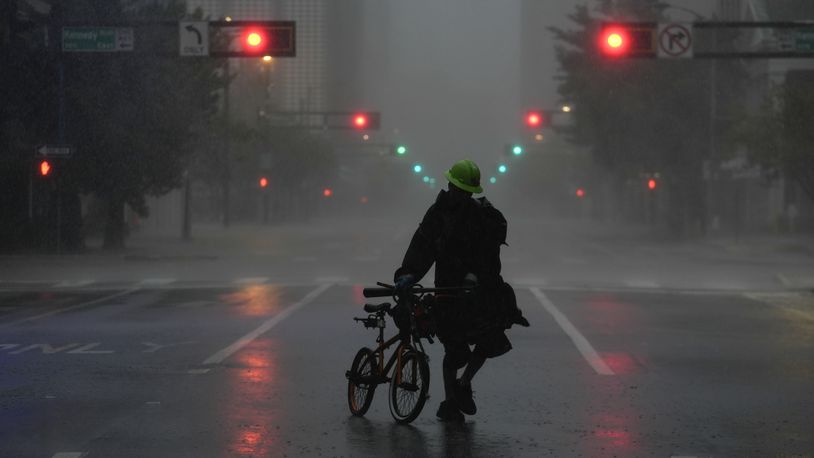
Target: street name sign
(54, 150)
(193, 38)
(97, 39)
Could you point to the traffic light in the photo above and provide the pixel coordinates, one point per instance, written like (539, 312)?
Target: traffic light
(264, 182)
(250, 38)
(360, 120)
(580, 192)
(502, 168)
(401, 150)
(417, 168)
(534, 119)
(492, 180)
(327, 192)
(517, 150)
(363, 120)
(652, 184)
(627, 40)
(45, 168)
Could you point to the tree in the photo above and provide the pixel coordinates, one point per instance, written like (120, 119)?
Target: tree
(132, 116)
(641, 116)
(779, 137)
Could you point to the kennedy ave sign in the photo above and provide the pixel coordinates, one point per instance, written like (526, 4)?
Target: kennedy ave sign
(97, 39)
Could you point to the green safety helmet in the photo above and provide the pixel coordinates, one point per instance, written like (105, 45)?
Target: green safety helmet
(465, 174)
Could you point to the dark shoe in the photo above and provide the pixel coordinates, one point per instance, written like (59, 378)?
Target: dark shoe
(448, 411)
(463, 396)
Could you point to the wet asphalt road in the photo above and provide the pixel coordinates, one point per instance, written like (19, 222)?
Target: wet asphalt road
(150, 372)
(237, 347)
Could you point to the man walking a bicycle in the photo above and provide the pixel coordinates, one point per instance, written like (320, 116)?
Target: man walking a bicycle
(462, 237)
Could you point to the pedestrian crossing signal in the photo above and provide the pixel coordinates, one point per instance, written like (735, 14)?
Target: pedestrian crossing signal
(45, 168)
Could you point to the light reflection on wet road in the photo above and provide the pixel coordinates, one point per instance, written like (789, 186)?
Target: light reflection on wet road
(694, 375)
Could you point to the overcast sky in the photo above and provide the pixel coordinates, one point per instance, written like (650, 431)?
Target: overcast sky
(454, 71)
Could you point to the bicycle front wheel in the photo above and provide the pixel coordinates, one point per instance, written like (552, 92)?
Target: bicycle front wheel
(409, 386)
(360, 381)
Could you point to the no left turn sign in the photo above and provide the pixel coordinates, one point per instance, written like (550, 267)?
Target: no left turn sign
(675, 40)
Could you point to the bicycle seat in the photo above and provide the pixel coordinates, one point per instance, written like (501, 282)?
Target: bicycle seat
(375, 308)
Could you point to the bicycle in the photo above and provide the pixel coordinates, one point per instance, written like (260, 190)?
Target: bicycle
(410, 380)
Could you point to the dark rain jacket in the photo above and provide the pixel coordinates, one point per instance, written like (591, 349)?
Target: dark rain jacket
(459, 238)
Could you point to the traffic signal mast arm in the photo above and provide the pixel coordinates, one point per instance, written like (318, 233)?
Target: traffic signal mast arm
(642, 39)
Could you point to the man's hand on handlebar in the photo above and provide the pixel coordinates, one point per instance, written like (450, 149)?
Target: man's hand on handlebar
(403, 282)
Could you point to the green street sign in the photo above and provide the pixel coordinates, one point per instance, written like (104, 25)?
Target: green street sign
(804, 41)
(97, 39)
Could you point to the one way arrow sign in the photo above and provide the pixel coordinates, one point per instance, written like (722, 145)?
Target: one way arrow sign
(193, 38)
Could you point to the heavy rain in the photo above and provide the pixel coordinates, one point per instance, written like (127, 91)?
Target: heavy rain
(375, 228)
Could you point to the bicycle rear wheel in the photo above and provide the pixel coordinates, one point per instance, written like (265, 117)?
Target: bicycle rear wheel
(409, 386)
(360, 383)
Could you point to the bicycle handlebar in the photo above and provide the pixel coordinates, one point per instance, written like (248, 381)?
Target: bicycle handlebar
(389, 290)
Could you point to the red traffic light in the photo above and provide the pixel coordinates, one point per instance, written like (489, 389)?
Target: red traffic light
(627, 40)
(580, 192)
(360, 121)
(327, 192)
(255, 40)
(651, 184)
(264, 182)
(45, 168)
(534, 119)
(614, 41)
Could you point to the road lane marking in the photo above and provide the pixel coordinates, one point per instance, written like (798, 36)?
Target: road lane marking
(582, 344)
(157, 281)
(251, 280)
(198, 371)
(68, 309)
(74, 283)
(529, 281)
(68, 455)
(265, 327)
(647, 284)
(331, 280)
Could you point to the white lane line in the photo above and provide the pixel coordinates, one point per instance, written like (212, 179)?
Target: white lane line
(265, 327)
(68, 455)
(157, 281)
(73, 307)
(529, 281)
(784, 279)
(582, 344)
(252, 280)
(198, 371)
(74, 283)
(331, 280)
(642, 284)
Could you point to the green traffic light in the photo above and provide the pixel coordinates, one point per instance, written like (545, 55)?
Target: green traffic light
(401, 150)
(517, 150)
(417, 168)
(426, 179)
(493, 180)
(502, 168)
